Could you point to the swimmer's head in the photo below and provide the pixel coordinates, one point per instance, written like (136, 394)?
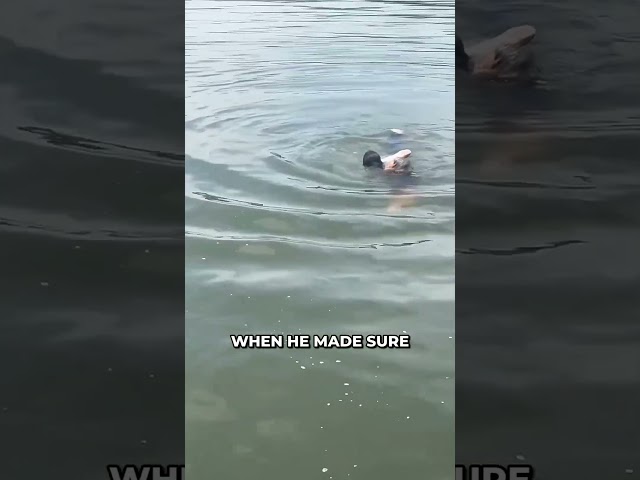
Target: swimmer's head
(372, 159)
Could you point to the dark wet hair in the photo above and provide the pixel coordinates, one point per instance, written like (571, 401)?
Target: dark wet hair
(462, 59)
(372, 159)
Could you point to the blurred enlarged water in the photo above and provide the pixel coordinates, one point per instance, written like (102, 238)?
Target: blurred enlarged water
(548, 346)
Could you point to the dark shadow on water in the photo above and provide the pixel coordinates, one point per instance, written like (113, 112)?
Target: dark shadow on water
(517, 250)
(61, 139)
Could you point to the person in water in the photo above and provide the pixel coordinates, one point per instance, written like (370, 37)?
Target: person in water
(397, 163)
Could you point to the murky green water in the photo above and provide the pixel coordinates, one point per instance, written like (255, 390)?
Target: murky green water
(547, 199)
(287, 234)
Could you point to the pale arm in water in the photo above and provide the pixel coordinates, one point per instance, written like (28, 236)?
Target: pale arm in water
(397, 161)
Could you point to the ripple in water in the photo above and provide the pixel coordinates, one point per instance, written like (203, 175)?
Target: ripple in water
(288, 234)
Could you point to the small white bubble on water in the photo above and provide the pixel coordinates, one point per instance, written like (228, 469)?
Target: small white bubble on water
(404, 331)
(360, 405)
(44, 284)
(328, 404)
(147, 251)
(346, 384)
(204, 258)
(338, 361)
(321, 363)
(297, 361)
(450, 337)
(288, 296)
(629, 470)
(346, 393)
(355, 466)
(340, 400)
(303, 367)
(441, 401)
(408, 418)
(520, 457)
(324, 470)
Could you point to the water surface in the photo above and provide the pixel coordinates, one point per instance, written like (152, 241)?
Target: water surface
(287, 234)
(91, 225)
(547, 195)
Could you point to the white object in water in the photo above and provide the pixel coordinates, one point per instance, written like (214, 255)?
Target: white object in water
(398, 161)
